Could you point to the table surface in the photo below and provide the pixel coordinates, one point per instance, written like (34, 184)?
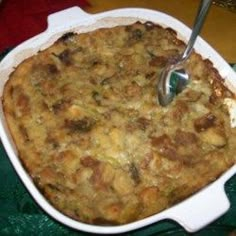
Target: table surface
(219, 29)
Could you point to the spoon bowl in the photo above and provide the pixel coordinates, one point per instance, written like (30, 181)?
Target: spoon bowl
(173, 79)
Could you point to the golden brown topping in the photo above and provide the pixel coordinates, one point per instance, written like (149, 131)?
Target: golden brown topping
(60, 105)
(143, 123)
(185, 138)
(83, 125)
(85, 121)
(103, 175)
(158, 61)
(43, 72)
(89, 161)
(214, 136)
(181, 108)
(66, 161)
(52, 69)
(165, 146)
(151, 197)
(66, 37)
(23, 103)
(193, 95)
(140, 123)
(134, 173)
(97, 97)
(104, 221)
(188, 145)
(149, 25)
(133, 90)
(65, 57)
(204, 122)
(47, 176)
(24, 133)
(122, 183)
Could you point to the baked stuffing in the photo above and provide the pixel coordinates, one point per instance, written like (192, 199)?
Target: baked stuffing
(85, 120)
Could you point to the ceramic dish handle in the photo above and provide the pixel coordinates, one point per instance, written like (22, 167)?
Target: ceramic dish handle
(205, 207)
(67, 17)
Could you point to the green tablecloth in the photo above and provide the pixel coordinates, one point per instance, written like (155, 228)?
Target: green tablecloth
(20, 215)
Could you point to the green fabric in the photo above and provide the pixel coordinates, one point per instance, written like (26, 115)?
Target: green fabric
(20, 215)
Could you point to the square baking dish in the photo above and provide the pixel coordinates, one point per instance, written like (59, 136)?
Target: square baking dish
(193, 213)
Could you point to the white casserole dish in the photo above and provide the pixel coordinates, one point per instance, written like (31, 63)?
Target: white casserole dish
(193, 213)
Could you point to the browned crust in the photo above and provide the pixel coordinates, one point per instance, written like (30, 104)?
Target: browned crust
(84, 118)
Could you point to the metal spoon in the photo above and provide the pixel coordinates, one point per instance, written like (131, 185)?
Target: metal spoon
(174, 78)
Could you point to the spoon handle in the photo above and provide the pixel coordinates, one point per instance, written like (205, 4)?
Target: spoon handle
(199, 20)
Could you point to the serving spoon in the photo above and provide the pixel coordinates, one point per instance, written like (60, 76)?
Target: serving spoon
(174, 78)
